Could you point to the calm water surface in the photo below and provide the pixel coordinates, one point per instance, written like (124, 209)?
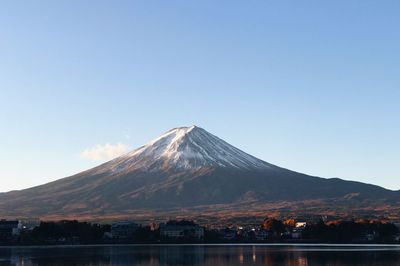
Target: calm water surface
(329, 255)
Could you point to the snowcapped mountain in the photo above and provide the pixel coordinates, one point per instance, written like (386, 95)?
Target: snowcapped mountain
(184, 148)
(190, 171)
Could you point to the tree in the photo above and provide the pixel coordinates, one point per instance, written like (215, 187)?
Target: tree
(273, 226)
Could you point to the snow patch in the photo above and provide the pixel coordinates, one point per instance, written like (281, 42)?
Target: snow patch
(184, 148)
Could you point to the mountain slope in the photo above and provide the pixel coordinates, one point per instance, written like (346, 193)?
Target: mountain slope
(183, 169)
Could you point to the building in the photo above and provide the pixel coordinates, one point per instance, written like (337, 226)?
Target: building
(9, 230)
(30, 224)
(301, 225)
(124, 230)
(297, 231)
(181, 230)
(297, 234)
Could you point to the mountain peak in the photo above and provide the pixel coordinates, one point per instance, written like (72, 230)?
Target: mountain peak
(184, 148)
(179, 131)
(183, 130)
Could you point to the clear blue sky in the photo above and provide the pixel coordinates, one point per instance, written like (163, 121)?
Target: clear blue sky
(313, 86)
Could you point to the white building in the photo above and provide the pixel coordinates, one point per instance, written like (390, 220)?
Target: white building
(181, 230)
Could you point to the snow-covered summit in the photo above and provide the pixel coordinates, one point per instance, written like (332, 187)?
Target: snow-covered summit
(184, 148)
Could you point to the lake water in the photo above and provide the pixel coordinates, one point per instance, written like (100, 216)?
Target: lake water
(288, 255)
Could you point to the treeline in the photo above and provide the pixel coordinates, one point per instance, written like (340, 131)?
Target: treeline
(270, 230)
(339, 231)
(68, 231)
(75, 232)
(352, 231)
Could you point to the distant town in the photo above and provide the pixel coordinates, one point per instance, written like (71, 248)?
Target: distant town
(270, 230)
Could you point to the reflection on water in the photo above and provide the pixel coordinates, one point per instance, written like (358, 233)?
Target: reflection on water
(202, 255)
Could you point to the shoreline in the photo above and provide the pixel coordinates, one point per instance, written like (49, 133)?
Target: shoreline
(203, 244)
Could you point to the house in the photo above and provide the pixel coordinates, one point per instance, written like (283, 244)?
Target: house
(30, 224)
(297, 234)
(297, 231)
(124, 230)
(301, 225)
(9, 230)
(181, 230)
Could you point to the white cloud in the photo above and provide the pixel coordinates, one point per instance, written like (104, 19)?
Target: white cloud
(104, 152)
